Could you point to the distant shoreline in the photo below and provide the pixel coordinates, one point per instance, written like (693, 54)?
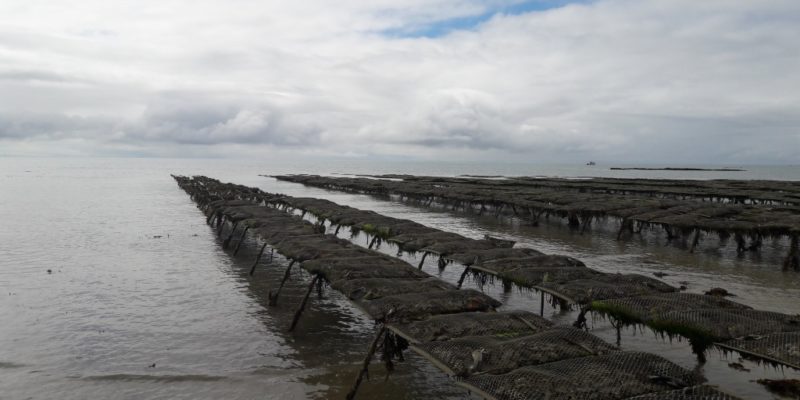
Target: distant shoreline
(676, 169)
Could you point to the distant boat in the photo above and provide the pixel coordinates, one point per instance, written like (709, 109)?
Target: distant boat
(591, 163)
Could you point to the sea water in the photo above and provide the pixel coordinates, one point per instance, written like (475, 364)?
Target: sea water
(113, 286)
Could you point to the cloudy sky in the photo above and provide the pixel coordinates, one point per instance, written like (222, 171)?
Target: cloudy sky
(679, 81)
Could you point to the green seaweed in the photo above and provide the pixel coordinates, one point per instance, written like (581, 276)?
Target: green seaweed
(619, 313)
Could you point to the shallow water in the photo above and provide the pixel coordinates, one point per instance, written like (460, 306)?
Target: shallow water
(142, 302)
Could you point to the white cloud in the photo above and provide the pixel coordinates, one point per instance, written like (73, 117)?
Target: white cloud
(711, 81)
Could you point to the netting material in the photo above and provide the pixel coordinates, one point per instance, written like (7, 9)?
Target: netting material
(335, 272)
(384, 287)
(402, 298)
(417, 305)
(533, 261)
(447, 327)
(499, 354)
(708, 318)
(702, 392)
(610, 286)
(375, 288)
(458, 246)
(472, 256)
(580, 207)
(724, 324)
(617, 375)
(533, 277)
(647, 308)
(779, 347)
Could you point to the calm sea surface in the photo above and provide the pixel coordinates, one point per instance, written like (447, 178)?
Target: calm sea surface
(113, 287)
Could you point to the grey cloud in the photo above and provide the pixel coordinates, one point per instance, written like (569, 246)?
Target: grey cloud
(189, 124)
(28, 76)
(710, 81)
(188, 119)
(49, 126)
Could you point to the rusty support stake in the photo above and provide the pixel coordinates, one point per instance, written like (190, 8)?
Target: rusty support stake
(441, 263)
(241, 239)
(541, 305)
(741, 245)
(508, 286)
(793, 258)
(586, 222)
(220, 225)
(320, 288)
(303, 303)
(580, 323)
(227, 240)
(273, 299)
(670, 235)
(258, 258)
(463, 275)
(695, 241)
(373, 347)
(617, 325)
(211, 217)
(499, 210)
(425, 254)
(626, 225)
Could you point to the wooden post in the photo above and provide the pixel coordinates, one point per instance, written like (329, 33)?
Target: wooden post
(336, 232)
(365, 364)
(273, 299)
(372, 242)
(258, 258)
(303, 303)
(241, 239)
